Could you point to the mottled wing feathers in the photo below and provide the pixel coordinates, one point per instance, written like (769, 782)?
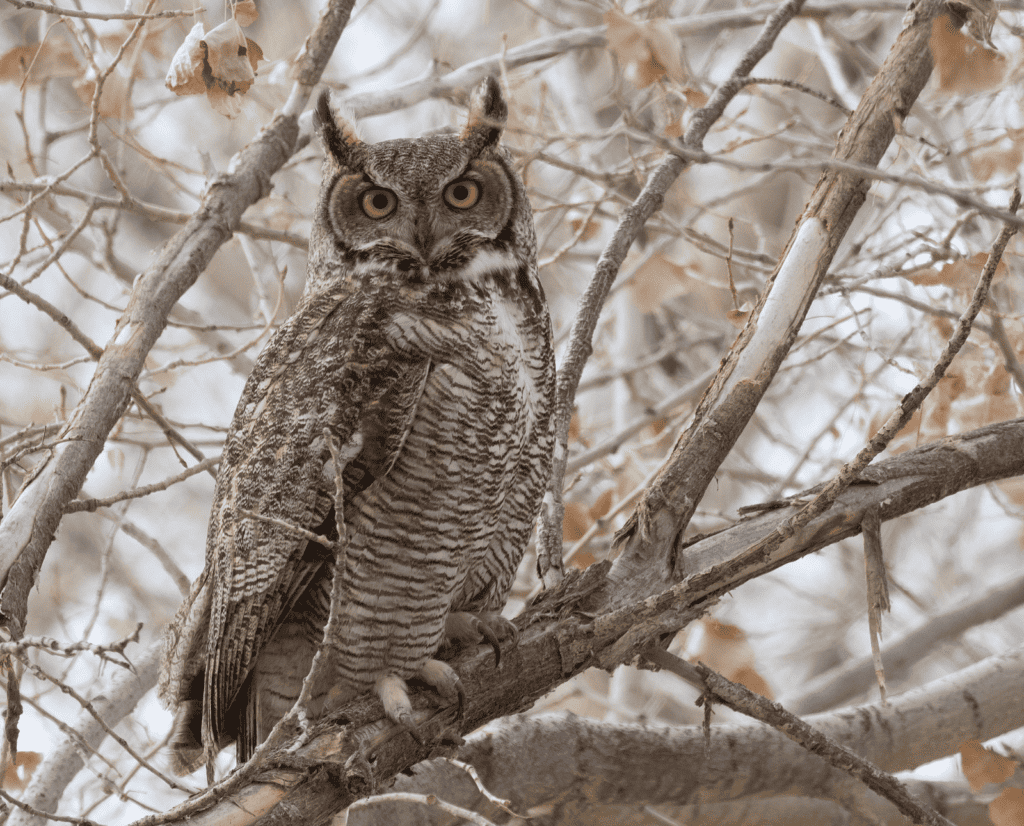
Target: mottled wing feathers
(328, 366)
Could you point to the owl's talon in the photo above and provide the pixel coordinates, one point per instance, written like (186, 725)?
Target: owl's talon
(463, 628)
(492, 638)
(413, 730)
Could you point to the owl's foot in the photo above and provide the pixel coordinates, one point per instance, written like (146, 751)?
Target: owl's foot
(394, 694)
(462, 628)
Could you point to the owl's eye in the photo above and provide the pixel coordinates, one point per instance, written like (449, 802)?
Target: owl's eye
(378, 203)
(462, 194)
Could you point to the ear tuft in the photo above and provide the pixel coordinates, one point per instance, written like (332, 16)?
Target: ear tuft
(338, 134)
(487, 115)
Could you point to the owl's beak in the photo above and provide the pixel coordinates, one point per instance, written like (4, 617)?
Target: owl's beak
(424, 235)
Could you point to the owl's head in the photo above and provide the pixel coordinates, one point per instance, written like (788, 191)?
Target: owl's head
(438, 208)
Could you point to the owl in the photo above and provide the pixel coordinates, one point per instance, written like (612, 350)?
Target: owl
(421, 351)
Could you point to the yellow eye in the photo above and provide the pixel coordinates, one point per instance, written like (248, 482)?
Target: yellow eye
(462, 194)
(378, 203)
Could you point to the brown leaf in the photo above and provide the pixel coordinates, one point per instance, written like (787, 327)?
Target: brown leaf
(987, 164)
(655, 282)
(962, 274)
(964, 65)
(575, 523)
(185, 74)
(245, 12)
(221, 63)
(752, 680)
(725, 649)
(723, 630)
(601, 505)
(40, 61)
(981, 765)
(738, 318)
(1008, 808)
(647, 50)
(1013, 489)
(582, 559)
(695, 97)
(574, 428)
(586, 232)
(227, 54)
(19, 773)
(114, 99)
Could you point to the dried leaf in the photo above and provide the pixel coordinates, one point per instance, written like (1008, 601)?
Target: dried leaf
(964, 65)
(1008, 808)
(228, 105)
(647, 50)
(695, 97)
(962, 274)
(986, 164)
(981, 765)
(601, 505)
(114, 99)
(738, 317)
(18, 775)
(752, 680)
(585, 232)
(227, 54)
(574, 427)
(723, 631)
(1013, 489)
(575, 523)
(221, 63)
(40, 61)
(724, 648)
(582, 559)
(655, 282)
(185, 76)
(245, 12)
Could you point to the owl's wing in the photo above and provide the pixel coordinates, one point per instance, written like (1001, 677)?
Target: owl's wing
(276, 464)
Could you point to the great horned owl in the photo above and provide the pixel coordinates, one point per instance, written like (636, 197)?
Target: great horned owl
(422, 345)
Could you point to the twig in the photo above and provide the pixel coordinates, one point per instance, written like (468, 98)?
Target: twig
(501, 803)
(95, 15)
(69, 649)
(296, 530)
(425, 800)
(136, 493)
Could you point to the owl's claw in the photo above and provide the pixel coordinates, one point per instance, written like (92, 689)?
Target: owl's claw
(463, 628)
(394, 694)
